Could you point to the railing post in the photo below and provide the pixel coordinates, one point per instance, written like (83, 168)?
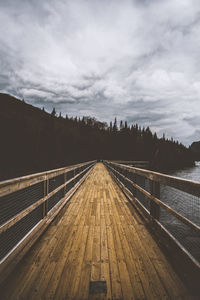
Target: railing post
(65, 179)
(154, 207)
(74, 176)
(134, 181)
(45, 203)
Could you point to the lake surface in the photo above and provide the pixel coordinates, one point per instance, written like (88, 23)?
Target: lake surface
(188, 206)
(189, 173)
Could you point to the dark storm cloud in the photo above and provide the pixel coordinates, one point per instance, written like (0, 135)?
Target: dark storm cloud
(146, 118)
(134, 59)
(193, 121)
(144, 105)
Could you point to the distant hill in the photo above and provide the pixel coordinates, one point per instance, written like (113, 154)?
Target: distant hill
(33, 140)
(195, 148)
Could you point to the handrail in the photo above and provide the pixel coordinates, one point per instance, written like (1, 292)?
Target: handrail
(129, 178)
(132, 162)
(159, 202)
(11, 185)
(185, 185)
(41, 194)
(26, 211)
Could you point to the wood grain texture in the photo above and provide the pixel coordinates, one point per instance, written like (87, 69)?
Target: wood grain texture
(98, 237)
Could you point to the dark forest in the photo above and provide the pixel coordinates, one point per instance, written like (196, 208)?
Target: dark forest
(33, 140)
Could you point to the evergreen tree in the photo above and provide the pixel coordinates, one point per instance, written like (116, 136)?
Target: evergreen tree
(111, 127)
(115, 125)
(121, 125)
(53, 113)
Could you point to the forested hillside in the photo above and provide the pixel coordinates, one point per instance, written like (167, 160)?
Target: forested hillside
(33, 140)
(195, 148)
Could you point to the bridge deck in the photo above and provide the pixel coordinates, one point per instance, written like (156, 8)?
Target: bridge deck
(98, 237)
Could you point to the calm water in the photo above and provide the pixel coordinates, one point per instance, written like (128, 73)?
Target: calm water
(188, 206)
(189, 173)
(184, 203)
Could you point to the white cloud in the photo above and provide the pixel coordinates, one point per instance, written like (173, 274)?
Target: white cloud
(110, 54)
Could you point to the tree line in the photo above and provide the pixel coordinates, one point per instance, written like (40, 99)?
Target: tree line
(33, 140)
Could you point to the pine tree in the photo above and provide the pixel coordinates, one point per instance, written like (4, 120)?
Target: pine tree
(111, 127)
(115, 125)
(53, 113)
(121, 125)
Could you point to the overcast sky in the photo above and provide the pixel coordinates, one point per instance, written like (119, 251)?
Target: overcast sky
(138, 60)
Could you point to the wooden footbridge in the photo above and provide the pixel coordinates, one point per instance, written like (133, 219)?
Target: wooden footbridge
(99, 231)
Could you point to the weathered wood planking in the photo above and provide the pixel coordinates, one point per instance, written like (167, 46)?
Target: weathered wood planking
(98, 237)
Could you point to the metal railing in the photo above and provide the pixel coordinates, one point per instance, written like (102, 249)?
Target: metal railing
(29, 204)
(170, 202)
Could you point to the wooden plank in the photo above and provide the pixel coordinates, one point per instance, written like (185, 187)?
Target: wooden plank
(123, 272)
(82, 291)
(33, 269)
(68, 266)
(105, 266)
(54, 281)
(106, 210)
(89, 209)
(169, 278)
(132, 266)
(104, 243)
(45, 262)
(96, 255)
(98, 212)
(124, 275)
(20, 274)
(72, 284)
(64, 286)
(115, 277)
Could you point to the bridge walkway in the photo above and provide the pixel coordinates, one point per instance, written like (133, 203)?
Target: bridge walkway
(97, 248)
